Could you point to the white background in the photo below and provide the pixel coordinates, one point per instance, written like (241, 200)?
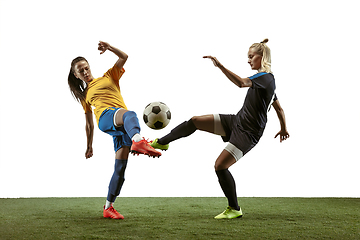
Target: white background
(315, 60)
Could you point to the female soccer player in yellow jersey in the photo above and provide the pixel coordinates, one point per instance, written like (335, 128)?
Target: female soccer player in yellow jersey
(112, 117)
(243, 130)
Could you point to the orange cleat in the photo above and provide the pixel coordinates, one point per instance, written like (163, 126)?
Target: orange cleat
(143, 147)
(112, 213)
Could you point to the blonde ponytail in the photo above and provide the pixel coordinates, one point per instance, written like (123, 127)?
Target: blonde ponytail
(263, 50)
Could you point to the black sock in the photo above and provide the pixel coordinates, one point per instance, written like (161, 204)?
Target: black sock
(183, 130)
(228, 186)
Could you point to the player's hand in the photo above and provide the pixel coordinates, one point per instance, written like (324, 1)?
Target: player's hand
(89, 152)
(283, 135)
(214, 60)
(103, 46)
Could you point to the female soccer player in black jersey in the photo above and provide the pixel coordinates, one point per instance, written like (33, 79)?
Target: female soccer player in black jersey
(243, 130)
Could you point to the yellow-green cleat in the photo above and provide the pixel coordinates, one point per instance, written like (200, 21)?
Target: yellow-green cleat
(230, 213)
(157, 145)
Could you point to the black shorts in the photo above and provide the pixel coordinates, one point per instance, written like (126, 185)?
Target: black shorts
(243, 140)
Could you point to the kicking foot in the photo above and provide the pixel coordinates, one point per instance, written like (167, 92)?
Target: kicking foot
(112, 213)
(143, 147)
(157, 145)
(229, 213)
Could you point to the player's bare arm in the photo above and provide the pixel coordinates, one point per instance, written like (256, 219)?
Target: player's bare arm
(89, 127)
(238, 81)
(103, 46)
(281, 115)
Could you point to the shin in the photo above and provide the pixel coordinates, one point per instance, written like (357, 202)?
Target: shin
(117, 179)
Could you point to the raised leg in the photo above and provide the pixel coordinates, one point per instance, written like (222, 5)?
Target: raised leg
(204, 123)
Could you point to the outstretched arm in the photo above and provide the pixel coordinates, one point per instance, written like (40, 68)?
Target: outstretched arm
(89, 134)
(103, 46)
(238, 81)
(281, 115)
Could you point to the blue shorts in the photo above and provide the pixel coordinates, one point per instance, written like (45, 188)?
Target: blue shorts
(243, 140)
(106, 124)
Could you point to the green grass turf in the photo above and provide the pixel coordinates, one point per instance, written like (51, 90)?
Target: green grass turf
(180, 218)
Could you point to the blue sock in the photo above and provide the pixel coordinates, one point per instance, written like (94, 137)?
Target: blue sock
(117, 179)
(131, 123)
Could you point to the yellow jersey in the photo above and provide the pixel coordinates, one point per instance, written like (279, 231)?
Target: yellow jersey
(104, 92)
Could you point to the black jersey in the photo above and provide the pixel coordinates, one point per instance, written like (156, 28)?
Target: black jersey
(252, 117)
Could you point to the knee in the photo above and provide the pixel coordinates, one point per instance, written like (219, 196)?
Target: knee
(131, 123)
(219, 166)
(129, 114)
(224, 161)
(122, 153)
(195, 120)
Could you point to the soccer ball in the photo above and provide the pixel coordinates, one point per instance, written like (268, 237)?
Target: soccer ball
(157, 115)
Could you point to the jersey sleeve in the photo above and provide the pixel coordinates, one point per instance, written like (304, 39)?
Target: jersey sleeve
(115, 73)
(260, 80)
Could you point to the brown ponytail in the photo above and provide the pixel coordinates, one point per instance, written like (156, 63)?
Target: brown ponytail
(265, 40)
(76, 85)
